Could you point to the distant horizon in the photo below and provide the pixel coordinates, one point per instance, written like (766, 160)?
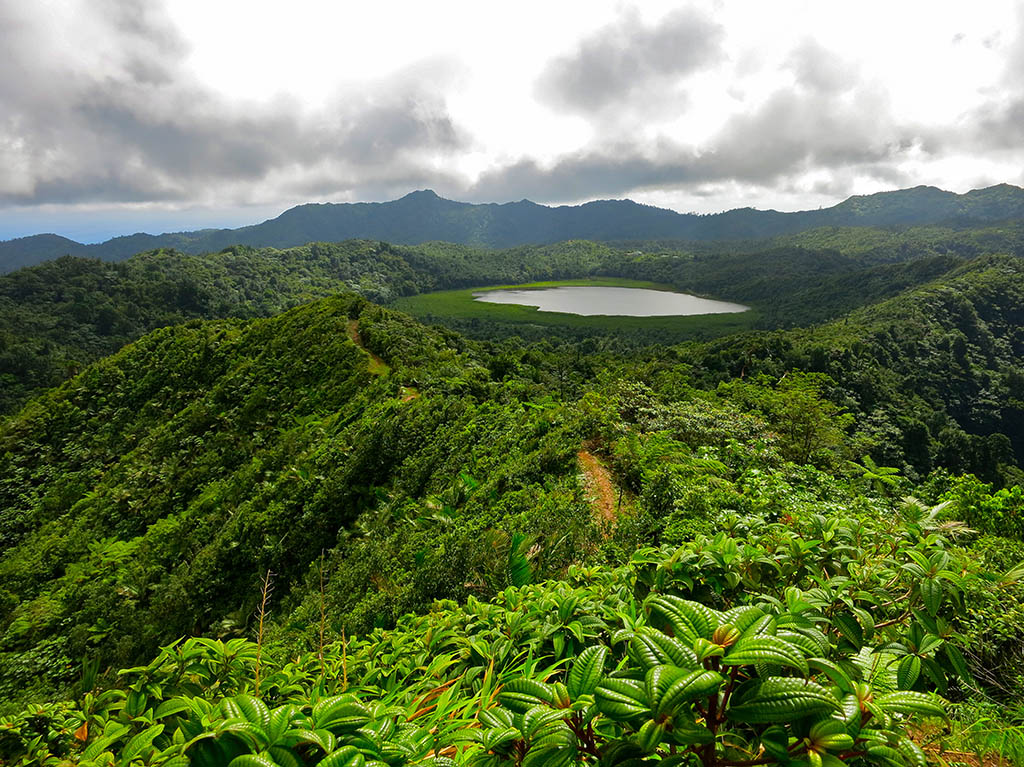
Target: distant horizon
(234, 220)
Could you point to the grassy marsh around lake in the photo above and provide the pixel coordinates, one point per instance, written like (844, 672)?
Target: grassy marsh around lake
(458, 307)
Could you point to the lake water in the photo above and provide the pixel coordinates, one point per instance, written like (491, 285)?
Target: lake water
(622, 302)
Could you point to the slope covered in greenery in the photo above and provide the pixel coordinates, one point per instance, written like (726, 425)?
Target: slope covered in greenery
(330, 535)
(59, 316)
(140, 499)
(768, 643)
(146, 499)
(933, 375)
(422, 216)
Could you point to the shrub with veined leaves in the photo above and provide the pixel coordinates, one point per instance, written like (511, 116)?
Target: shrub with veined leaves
(813, 643)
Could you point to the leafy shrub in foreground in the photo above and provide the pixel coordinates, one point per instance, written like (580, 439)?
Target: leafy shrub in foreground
(818, 643)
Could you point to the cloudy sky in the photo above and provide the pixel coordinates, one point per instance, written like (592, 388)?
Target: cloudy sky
(125, 115)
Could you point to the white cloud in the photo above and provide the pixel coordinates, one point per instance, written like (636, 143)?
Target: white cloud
(703, 106)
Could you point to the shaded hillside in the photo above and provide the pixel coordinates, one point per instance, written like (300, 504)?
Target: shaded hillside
(28, 251)
(61, 315)
(423, 217)
(936, 374)
(205, 454)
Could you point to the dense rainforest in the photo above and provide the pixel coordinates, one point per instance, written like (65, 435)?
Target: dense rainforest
(422, 216)
(250, 514)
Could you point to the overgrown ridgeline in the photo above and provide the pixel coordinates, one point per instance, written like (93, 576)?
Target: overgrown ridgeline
(57, 317)
(799, 611)
(140, 498)
(934, 376)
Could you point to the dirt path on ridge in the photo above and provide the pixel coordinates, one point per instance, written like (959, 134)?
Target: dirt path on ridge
(598, 483)
(376, 364)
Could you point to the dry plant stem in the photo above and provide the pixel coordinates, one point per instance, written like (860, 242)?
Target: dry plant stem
(262, 615)
(344, 660)
(323, 614)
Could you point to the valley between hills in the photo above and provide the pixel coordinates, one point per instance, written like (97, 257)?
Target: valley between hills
(290, 496)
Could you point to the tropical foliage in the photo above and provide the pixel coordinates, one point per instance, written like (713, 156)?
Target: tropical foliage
(245, 524)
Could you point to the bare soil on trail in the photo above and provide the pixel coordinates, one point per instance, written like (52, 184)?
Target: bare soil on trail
(598, 483)
(376, 364)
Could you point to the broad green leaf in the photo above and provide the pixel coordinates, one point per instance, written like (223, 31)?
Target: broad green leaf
(812, 642)
(283, 757)
(907, 702)
(520, 695)
(175, 761)
(908, 671)
(621, 699)
(496, 717)
(253, 760)
(780, 699)
(839, 677)
(247, 731)
(705, 648)
(886, 754)
(850, 629)
(650, 736)
(686, 732)
(170, 707)
(688, 620)
(867, 623)
(322, 738)
(775, 740)
(254, 710)
(929, 643)
(650, 647)
(340, 713)
(935, 673)
(140, 743)
(956, 660)
(621, 752)
(497, 737)
(765, 624)
(539, 717)
(831, 734)
(586, 671)
(912, 752)
(346, 756)
(280, 719)
(668, 687)
(765, 649)
(111, 734)
(560, 756)
(931, 595)
(743, 617)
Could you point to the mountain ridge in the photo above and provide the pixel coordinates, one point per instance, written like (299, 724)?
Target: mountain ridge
(423, 216)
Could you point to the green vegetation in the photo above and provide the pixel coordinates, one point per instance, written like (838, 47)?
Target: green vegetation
(459, 310)
(251, 517)
(62, 315)
(422, 217)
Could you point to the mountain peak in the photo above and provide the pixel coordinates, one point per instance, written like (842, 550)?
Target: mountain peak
(422, 194)
(424, 216)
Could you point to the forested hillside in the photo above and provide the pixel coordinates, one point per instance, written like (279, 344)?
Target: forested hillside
(249, 516)
(59, 316)
(934, 375)
(422, 216)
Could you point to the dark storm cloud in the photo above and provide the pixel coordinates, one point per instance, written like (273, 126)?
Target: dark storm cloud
(131, 124)
(626, 58)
